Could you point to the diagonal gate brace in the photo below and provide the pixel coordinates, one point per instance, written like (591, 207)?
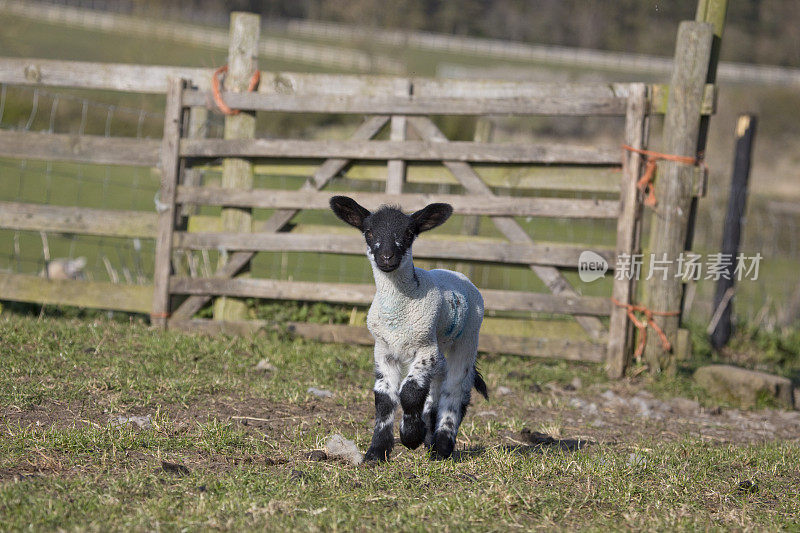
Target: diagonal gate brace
(326, 172)
(509, 227)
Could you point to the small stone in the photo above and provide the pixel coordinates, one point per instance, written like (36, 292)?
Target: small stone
(490, 412)
(503, 391)
(748, 486)
(744, 386)
(265, 366)
(320, 393)
(535, 388)
(317, 455)
(174, 468)
(576, 383)
(141, 422)
(597, 423)
(341, 448)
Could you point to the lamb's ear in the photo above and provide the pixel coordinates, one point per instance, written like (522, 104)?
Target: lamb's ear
(431, 216)
(349, 211)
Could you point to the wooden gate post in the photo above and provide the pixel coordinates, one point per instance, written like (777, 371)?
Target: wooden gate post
(165, 227)
(237, 173)
(674, 187)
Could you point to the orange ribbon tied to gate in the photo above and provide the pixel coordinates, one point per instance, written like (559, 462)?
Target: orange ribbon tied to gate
(645, 183)
(641, 325)
(216, 89)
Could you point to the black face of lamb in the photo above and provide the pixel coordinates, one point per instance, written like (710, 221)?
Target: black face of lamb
(389, 234)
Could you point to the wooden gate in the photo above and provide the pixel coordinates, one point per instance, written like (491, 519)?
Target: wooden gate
(411, 107)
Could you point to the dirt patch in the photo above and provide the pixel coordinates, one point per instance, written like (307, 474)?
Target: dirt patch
(609, 415)
(626, 413)
(567, 418)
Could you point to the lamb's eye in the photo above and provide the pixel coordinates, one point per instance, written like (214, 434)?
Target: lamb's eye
(368, 234)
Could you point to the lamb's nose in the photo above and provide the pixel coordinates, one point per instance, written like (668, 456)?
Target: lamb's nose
(387, 256)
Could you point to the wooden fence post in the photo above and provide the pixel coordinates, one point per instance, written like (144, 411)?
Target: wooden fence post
(620, 328)
(237, 173)
(674, 186)
(720, 328)
(170, 169)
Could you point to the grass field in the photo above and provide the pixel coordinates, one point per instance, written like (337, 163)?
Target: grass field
(226, 446)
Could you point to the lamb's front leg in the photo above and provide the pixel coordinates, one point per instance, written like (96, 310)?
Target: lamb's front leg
(387, 379)
(414, 391)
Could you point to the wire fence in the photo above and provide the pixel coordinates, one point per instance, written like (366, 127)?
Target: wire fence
(63, 255)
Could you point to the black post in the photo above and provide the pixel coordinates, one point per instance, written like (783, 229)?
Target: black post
(721, 328)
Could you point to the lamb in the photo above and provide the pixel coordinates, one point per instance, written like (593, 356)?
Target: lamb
(425, 324)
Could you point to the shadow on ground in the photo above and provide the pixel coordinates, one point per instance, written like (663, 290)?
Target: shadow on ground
(536, 443)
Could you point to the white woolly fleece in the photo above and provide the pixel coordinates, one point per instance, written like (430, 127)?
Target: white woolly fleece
(415, 308)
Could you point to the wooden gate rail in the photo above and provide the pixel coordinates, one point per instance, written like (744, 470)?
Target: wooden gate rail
(561, 104)
(152, 79)
(353, 293)
(467, 250)
(465, 205)
(407, 150)
(568, 350)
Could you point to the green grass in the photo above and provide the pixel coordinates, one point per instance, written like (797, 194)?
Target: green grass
(76, 470)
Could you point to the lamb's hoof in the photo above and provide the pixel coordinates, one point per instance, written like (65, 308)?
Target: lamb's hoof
(412, 431)
(375, 455)
(443, 445)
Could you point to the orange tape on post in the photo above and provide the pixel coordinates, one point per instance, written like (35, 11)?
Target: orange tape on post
(645, 183)
(642, 325)
(216, 89)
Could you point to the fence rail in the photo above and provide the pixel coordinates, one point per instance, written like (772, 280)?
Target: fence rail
(79, 148)
(465, 205)
(84, 220)
(341, 89)
(325, 242)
